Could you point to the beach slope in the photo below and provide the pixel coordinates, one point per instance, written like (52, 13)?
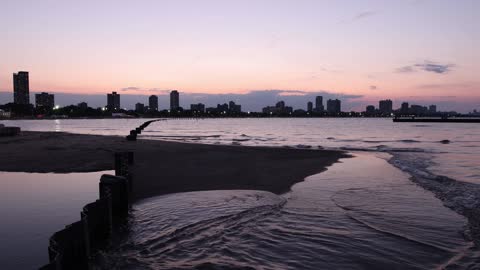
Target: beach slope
(163, 167)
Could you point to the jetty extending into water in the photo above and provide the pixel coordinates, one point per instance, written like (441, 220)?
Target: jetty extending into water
(437, 119)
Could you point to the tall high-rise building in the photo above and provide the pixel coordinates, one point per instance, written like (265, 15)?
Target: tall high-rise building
(404, 109)
(44, 100)
(174, 100)
(21, 89)
(113, 101)
(432, 109)
(153, 103)
(385, 106)
(319, 104)
(334, 106)
(309, 106)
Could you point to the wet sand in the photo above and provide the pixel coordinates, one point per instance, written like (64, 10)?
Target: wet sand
(163, 167)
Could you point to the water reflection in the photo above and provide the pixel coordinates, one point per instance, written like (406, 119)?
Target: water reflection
(35, 205)
(359, 214)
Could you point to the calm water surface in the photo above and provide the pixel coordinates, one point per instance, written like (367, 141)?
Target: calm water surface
(33, 206)
(398, 204)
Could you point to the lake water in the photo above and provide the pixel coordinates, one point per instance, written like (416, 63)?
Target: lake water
(35, 205)
(398, 204)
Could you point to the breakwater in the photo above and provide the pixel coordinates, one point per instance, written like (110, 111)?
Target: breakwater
(134, 132)
(75, 245)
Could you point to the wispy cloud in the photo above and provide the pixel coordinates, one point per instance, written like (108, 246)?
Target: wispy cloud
(130, 88)
(359, 16)
(428, 66)
(434, 67)
(363, 15)
(373, 87)
(451, 86)
(134, 89)
(406, 69)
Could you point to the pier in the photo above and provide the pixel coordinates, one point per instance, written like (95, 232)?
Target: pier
(437, 119)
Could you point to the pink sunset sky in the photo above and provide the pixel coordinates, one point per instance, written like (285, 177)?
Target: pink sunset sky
(422, 50)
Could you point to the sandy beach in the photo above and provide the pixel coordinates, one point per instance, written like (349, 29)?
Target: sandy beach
(163, 167)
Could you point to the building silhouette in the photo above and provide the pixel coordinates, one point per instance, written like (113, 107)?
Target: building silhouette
(174, 100)
(153, 103)
(45, 101)
(82, 105)
(385, 106)
(140, 107)
(234, 108)
(319, 104)
(404, 109)
(370, 110)
(432, 109)
(199, 107)
(279, 108)
(309, 106)
(21, 88)
(113, 101)
(334, 106)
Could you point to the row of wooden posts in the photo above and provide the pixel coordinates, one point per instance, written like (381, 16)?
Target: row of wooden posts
(134, 132)
(74, 246)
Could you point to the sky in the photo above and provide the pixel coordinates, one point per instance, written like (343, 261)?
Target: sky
(421, 51)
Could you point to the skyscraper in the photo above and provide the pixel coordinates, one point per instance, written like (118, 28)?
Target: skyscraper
(319, 104)
(153, 103)
(385, 106)
(21, 89)
(334, 106)
(309, 106)
(405, 108)
(113, 101)
(174, 100)
(44, 100)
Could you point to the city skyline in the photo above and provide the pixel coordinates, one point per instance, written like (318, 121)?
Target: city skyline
(403, 50)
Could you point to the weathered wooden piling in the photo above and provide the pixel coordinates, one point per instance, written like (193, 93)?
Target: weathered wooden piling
(97, 219)
(117, 188)
(72, 247)
(67, 248)
(9, 131)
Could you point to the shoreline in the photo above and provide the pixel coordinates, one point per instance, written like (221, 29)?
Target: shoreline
(178, 166)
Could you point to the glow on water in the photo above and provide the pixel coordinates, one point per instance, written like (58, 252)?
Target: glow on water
(35, 205)
(359, 214)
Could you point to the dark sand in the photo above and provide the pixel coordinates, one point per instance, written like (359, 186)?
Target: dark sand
(166, 167)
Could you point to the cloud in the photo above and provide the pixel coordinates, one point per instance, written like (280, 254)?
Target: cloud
(434, 67)
(130, 88)
(427, 66)
(139, 90)
(254, 100)
(373, 87)
(363, 15)
(406, 69)
(470, 86)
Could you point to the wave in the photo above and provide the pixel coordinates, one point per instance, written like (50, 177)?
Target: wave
(147, 246)
(462, 197)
